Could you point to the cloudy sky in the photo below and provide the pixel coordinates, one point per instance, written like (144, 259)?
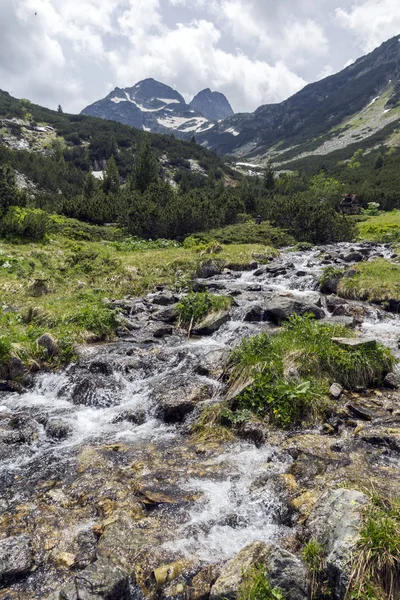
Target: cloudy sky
(73, 52)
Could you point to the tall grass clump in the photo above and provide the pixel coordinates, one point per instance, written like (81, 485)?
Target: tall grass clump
(286, 376)
(376, 572)
(256, 586)
(197, 305)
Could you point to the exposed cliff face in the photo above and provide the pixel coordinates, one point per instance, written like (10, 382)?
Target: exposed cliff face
(212, 105)
(153, 106)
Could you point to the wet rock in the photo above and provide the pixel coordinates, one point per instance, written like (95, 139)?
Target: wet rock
(251, 266)
(177, 399)
(349, 322)
(101, 366)
(58, 429)
(95, 391)
(392, 381)
(330, 285)
(253, 432)
(336, 390)
(16, 368)
(334, 524)
(284, 571)
(353, 257)
(355, 343)
(275, 269)
(301, 273)
(382, 437)
(254, 314)
(280, 308)
(66, 560)
(359, 411)
(167, 315)
(208, 269)
(165, 299)
(135, 416)
(202, 582)
(333, 302)
(163, 331)
(259, 272)
(48, 343)
(212, 323)
(99, 581)
(254, 288)
(16, 557)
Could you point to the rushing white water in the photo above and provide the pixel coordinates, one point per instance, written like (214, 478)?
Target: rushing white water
(233, 509)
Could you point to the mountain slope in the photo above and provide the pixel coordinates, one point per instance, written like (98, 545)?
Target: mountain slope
(320, 112)
(151, 106)
(212, 105)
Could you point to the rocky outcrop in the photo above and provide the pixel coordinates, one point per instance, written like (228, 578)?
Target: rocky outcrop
(16, 557)
(211, 323)
(283, 569)
(334, 523)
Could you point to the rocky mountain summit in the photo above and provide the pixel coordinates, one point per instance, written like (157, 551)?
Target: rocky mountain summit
(156, 107)
(361, 102)
(213, 105)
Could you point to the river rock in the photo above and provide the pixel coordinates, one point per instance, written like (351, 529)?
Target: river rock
(355, 343)
(58, 429)
(279, 308)
(167, 315)
(336, 390)
(330, 285)
(343, 321)
(208, 269)
(16, 557)
(99, 581)
(176, 400)
(392, 381)
(254, 314)
(334, 523)
(48, 343)
(202, 582)
(353, 257)
(284, 571)
(165, 299)
(212, 323)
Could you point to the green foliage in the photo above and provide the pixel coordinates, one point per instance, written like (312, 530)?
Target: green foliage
(375, 281)
(261, 367)
(9, 194)
(27, 223)
(243, 233)
(372, 209)
(95, 317)
(256, 586)
(383, 228)
(376, 560)
(111, 177)
(134, 244)
(197, 305)
(314, 557)
(146, 168)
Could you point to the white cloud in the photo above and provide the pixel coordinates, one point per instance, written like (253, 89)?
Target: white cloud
(372, 22)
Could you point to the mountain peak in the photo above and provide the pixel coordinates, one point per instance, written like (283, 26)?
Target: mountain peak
(213, 105)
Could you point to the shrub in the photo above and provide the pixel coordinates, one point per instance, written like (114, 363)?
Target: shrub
(256, 586)
(376, 571)
(263, 367)
(29, 223)
(96, 318)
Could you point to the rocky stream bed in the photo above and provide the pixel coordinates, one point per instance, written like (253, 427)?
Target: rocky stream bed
(105, 495)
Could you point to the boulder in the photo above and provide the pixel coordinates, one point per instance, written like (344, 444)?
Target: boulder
(165, 299)
(251, 266)
(392, 381)
(202, 582)
(58, 429)
(16, 558)
(176, 400)
(279, 308)
(163, 331)
(167, 315)
(208, 269)
(343, 321)
(284, 571)
(353, 257)
(99, 581)
(48, 343)
(334, 523)
(254, 314)
(330, 285)
(336, 390)
(355, 343)
(211, 323)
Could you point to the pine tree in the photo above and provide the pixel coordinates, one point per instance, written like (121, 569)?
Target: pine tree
(269, 176)
(60, 109)
(89, 186)
(9, 193)
(111, 181)
(146, 168)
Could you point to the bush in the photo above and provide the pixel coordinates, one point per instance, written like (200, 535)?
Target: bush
(263, 367)
(376, 571)
(29, 223)
(96, 318)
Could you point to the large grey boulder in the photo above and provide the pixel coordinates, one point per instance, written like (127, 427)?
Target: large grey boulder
(101, 580)
(208, 269)
(16, 557)
(211, 323)
(177, 398)
(284, 571)
(279, 308)
(335, 523)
